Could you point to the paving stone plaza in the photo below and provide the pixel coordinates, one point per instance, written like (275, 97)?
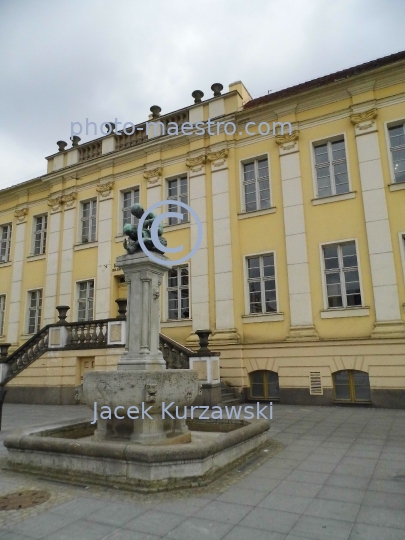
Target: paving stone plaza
(334, 473)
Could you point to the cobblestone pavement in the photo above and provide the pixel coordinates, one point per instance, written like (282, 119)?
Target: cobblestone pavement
(340, 475)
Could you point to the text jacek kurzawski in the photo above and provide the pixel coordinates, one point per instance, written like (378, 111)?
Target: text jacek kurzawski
(248, 412)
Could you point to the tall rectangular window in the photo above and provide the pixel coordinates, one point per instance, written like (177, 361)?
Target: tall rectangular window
(397, 147)
(256, 185)
(34, 311)
(331, 168)
(2, 312)
(262, 284)
(177, 190)
(85, 301)
(5, 242)
(178, 293)
(40, 230)
(342, 275)
(89, 221)
(129, 198)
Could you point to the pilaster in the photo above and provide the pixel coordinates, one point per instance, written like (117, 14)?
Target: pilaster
(104, 240)
(52, 263)
(68, 241)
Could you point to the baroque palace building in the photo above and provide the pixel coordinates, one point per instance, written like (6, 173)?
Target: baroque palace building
(301, 271)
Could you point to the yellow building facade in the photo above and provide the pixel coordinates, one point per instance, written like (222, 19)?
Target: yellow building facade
(301, 271)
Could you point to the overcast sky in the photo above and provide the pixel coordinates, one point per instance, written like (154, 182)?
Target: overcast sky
(63, 61)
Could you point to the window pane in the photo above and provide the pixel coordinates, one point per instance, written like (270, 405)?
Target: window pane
(397, 136)
(331, 258)
(341, 381)
(254, 267)
(321, 154)
(249, 171)
(273, 390)
(338, 150)
(361, 386)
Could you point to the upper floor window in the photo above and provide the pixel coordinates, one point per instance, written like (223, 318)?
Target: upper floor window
(177, 190)
(397, 147)
(34, 311)
(342, 275)
(5, 242)
(331, 168)
(2, 312)
(262, 284)
(85, 300)
(89, 221)
(40, 229)
(129, 198)
(178, 293)
(256, 185)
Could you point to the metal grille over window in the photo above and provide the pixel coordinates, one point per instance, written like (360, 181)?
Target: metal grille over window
(331, 168)
(256, 185)
(342, 275)
(41, 223)
(85, 301)
(262, 284)
(34, 313)
(89, 221)
(315, 383)
(178, 191)
(178, 293)
(5, 243)
(397, 144)
(2, 312)
(129, 198)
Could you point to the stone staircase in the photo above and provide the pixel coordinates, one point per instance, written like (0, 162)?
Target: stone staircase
(229, 395)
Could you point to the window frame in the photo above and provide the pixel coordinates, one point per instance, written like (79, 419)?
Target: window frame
(77, 298)
(265, 397)
(388, 125)
(3, 313)
(323, 271)
(318, 142)
(43, 235)
(121, 207)
(6, 241)
(246, 284)
(177, 177)
(28, 308)
(352, 387)
(81, 221)
(178, 288)
(245, 161)
(401, 239)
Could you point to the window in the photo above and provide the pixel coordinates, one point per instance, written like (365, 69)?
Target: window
(178, 293)
(262, 284)
(40, 226)
(2, 312)
(256, 185)
(342, 275)
(129, 198)
(331, 168)
(85, 301)
(397, 147)
(351, 385)
(178, 191)
(34, 311)
(5, 243)
(264, 385)
(89, 219)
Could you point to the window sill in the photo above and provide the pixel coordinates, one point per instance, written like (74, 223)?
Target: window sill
(177, 227)
(255, 213)
(397, 186)
(345, 312)
(334, 198)
(87, 245)
(5, 263)
(175, 324)
(262, 317)
(31, 258)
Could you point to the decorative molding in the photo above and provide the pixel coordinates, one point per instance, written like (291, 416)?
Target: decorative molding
(105, 189)
(21, 214)
(287, 141)
(196, 164)
(153, 175)
(55, 203)
(218, 158)
(69, 199)
(367, 116)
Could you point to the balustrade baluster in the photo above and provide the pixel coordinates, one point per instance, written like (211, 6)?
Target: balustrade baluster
(87, 336)
(101, 337)
(94, 334)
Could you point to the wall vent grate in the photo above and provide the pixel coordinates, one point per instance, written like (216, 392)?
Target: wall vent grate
(315, 383)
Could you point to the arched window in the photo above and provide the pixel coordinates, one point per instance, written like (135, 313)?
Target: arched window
(351, 385)
(264, 385)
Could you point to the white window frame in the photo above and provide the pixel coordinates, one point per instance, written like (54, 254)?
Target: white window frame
(134, 220)
(43, 235)
(3, 300)
(245, 161)
(319, 142)
(177, 177)
(82, 220)
(77, 298)
(179, 287)
(267, 314)
(39, 319)
(388, 125)
(5, 243)
(323, 276)
(401, 239)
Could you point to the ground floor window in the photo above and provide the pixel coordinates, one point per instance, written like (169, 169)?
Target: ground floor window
(85, 300)
(264, 385)
(351, 385)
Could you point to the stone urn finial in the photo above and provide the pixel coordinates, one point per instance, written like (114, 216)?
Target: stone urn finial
(155, 110)
(203, 336)
(4, 352)
(122, 308)
(197, 95)
(61, 146)
(217, 89)
(62, 313)
(75, 140)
